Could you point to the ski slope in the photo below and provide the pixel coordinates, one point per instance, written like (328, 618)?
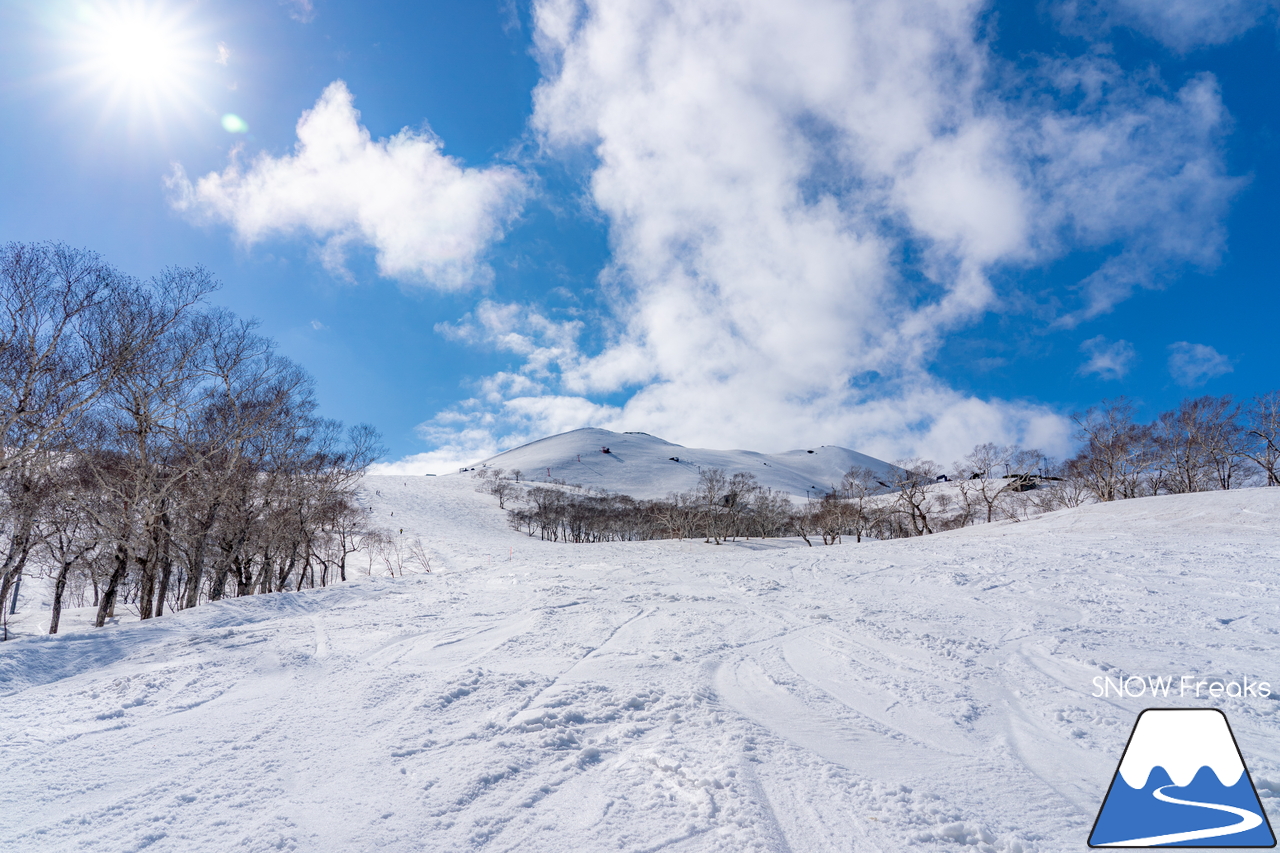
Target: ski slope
(931, 694)
(644, 466)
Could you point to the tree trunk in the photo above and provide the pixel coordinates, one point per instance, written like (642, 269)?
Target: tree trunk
(219, 585)
(166, 562)
(195, 572)
(59, 587)
(244, 576)
(107, 604)
(283, 581)
(302, 576)
(157, 562)
(12, 579)
(146, 583)
(15, 560)
(230, 556)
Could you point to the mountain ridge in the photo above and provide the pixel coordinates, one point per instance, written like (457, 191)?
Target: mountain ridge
(645, 466)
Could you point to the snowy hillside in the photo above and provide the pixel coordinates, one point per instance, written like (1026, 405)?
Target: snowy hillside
(643, 466)
(931, 694)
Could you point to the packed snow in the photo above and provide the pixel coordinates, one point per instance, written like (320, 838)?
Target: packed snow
(933, 694)
(644, 466)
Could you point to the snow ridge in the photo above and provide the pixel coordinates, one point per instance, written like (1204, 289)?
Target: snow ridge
(647, 467)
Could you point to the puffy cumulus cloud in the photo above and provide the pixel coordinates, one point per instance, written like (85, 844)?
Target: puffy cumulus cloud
(1107, 359)
(548, 346)
(1180, 24)
(428, 217)
(743, 408)
(1192, 365)
(804, 199)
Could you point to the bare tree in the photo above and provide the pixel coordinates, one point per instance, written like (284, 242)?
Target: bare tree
(712, 491)
(68, 532)
(1263, 426)
(146, 403)
(493, 483)
(770, 511)
(832, 517)
(1117, 451)
(56, 358)
(199, 447)
(1199, 445)
(914, 480)
(860, 486)
(418, 554)
(982, 475)
(739, 501)
(343, 530)
(24, 492)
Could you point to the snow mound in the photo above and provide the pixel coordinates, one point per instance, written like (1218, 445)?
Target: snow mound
(644, 466)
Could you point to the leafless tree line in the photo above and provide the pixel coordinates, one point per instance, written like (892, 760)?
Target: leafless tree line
(1205, 443)
(722, 507)
(156, 451)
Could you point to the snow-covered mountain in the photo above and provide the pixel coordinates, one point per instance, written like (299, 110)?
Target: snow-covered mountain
(644, 466)
(933, 694)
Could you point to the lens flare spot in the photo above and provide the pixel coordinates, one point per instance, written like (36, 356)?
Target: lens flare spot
(232, 123)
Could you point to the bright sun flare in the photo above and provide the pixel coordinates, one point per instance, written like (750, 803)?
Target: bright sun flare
(138, 54)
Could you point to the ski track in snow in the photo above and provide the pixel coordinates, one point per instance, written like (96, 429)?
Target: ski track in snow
(927, 694)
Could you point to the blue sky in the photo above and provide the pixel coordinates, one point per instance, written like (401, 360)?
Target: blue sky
(903, 227)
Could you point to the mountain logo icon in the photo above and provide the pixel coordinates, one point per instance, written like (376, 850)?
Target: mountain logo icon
(1181, 783)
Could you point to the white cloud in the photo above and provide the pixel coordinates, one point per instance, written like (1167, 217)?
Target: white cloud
(1107, 359)
(303, 11)
(764, 169)
(428, 217)
(224, 53)
(548, 346)
(1181, 24)
(454, 449)
(1136, 168)
(1192, 365)
(804, 200)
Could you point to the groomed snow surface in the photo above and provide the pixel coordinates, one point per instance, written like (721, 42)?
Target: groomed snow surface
(924, 694)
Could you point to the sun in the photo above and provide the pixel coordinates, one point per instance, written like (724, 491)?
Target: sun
(139, 57)
(138, 52)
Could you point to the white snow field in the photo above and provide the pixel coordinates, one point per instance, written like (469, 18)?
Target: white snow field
(928, 694)
(644, 466)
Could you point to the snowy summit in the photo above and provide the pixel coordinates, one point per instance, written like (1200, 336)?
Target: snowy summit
(644, 466)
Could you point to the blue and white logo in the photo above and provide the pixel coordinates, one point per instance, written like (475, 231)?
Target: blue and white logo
(1182, 783)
